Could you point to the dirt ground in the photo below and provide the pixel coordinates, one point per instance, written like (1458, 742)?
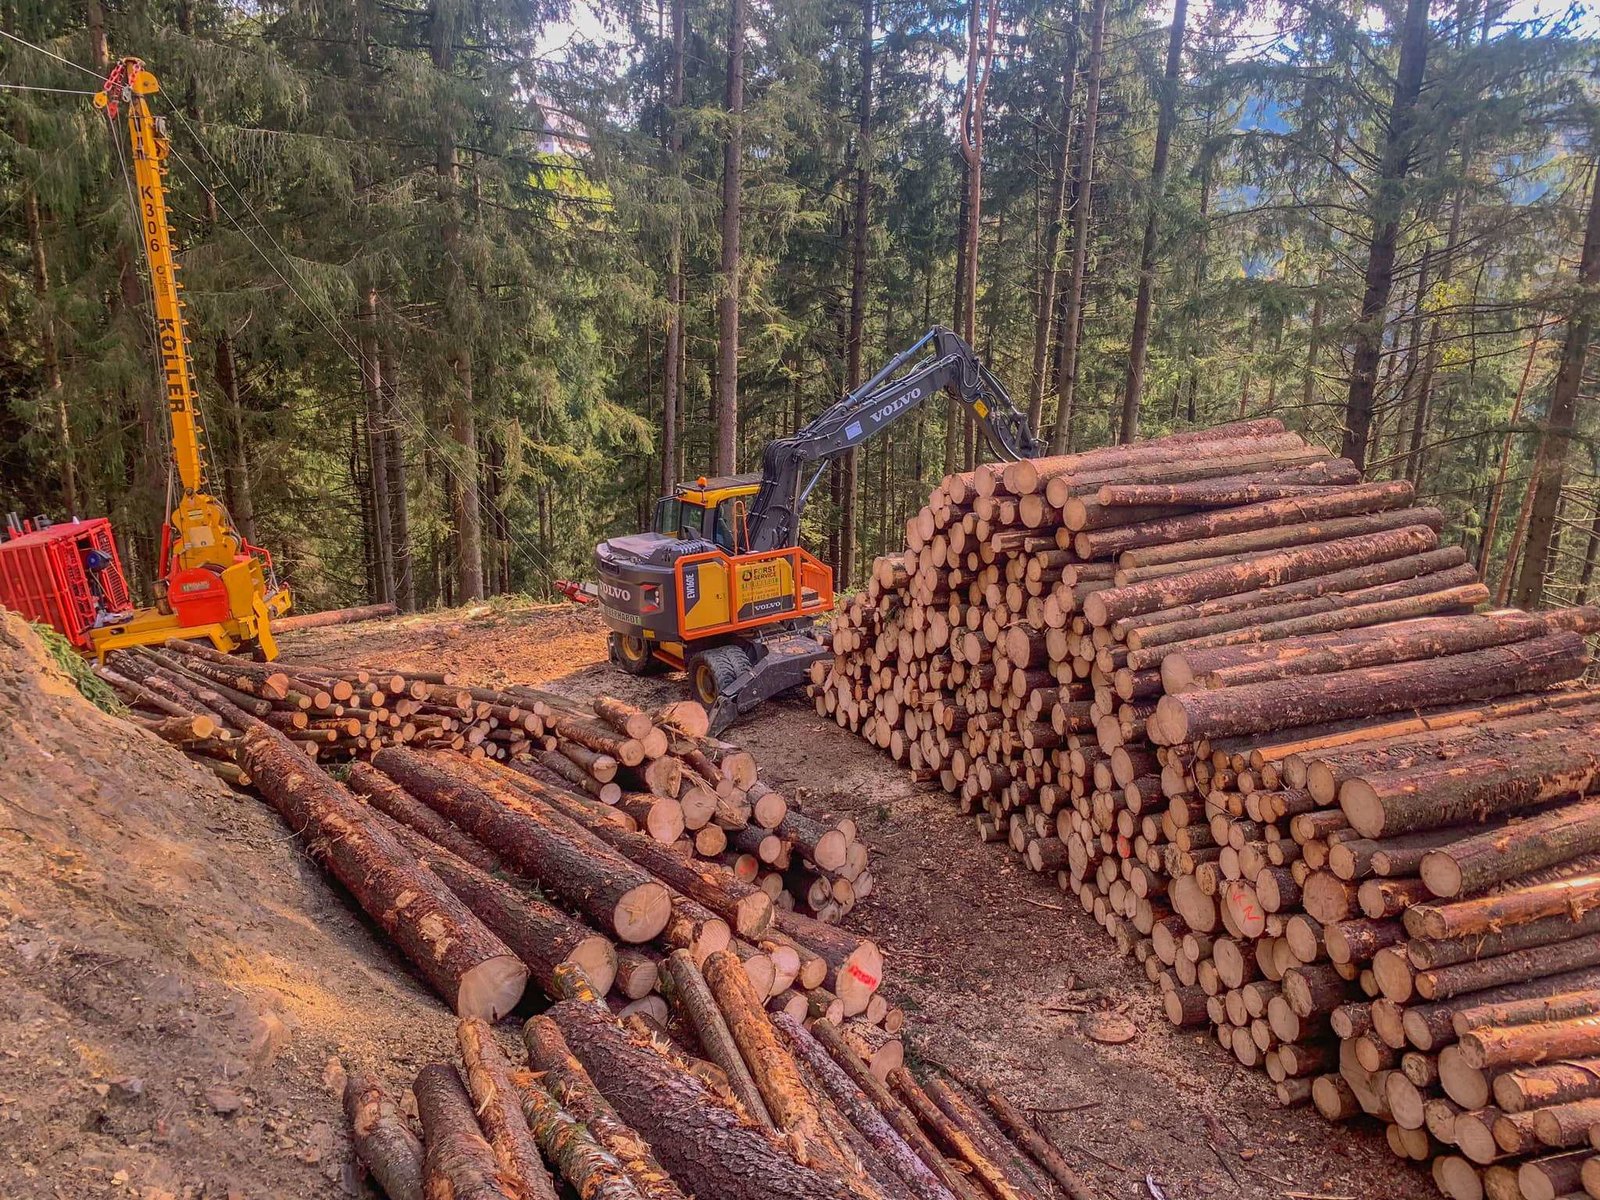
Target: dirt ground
(988, 960)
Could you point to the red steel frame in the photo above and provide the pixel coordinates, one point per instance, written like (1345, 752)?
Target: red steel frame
(43, 577)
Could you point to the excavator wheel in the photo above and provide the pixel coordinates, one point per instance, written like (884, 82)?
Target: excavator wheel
(714, 673)
(632, 654)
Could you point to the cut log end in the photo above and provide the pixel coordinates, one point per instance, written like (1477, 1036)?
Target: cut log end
(642, 912)
(492, 988)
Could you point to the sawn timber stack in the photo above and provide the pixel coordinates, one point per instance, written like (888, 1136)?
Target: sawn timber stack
(1243, 706)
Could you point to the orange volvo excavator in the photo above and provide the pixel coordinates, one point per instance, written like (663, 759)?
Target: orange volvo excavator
(720, 588)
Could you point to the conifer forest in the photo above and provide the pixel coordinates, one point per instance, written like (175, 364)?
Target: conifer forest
(470, 282)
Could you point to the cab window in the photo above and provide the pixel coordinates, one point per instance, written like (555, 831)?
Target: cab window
(727, 533)
(669, 518)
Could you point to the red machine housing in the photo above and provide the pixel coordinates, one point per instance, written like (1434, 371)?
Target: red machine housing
(45, 576)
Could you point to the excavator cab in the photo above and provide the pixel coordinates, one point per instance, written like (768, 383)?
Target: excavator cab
(710, 510)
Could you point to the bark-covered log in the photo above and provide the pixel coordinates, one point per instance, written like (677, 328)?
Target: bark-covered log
(383, 1141)
(628, 751)
(1577, 895)
(1232, 666)
(855, 964)
(1530, 1087)
(1414, 595)
(458, 1163)
(746, 908)
(565, 858)
(897, 1114)
(499, 1111)
(706, 1145)
(1045, 1154)
(1029, 474)
(592, 1170)
(333, 616)
(1552, 1177)
(475, 972)
(1024, 1174)
(1267, 514)
(687, 990)
(1543, 840)
(1444, 982)
(1425, 953)
(1442, 562)
(563, 1076)
(1375, 690)
(624, 717)
(953, 1136)
(1499, 1046)
(1490, 777)
(866, 1117)
(793, 1109)
(1230, 490)
(1284, 566)
(388, 797)
(541, 935)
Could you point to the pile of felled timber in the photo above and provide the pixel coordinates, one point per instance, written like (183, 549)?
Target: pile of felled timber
(777, 1109)
(1153, 669)
(660, 775)
(743, 1050)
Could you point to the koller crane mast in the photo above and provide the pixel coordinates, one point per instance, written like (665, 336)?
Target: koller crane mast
(212, 583)
(216, 584)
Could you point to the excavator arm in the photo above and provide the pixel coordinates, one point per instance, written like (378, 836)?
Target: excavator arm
(939, 361)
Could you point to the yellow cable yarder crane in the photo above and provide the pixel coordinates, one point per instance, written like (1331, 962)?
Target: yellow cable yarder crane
(212, 583)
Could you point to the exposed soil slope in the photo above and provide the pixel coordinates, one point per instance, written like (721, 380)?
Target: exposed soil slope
(174, 975)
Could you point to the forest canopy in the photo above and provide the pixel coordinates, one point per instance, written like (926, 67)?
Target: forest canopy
(470, 284)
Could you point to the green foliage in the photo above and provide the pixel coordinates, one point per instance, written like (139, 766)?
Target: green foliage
(504, 194)
(76, 667)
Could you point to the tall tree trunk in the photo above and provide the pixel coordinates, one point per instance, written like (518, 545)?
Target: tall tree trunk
(464, 495)
(377, 449)
(1430, 363)
(672, 354)
(858, 285)
(1544, 490)
(1387, 210)
(49, 356)
(405, 580)
(1497, 490)
(953, 415)
(1139, 344)
(1067, 342)
(1590, 548)
(727, 422)
(1055, 219)
(463, 470)
(1308, 389)
(972, 152)
(240, 492)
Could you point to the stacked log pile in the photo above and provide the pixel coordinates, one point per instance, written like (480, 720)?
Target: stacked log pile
(1238, 702)
(735, 1104)
(490, 874)
(661, 772)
